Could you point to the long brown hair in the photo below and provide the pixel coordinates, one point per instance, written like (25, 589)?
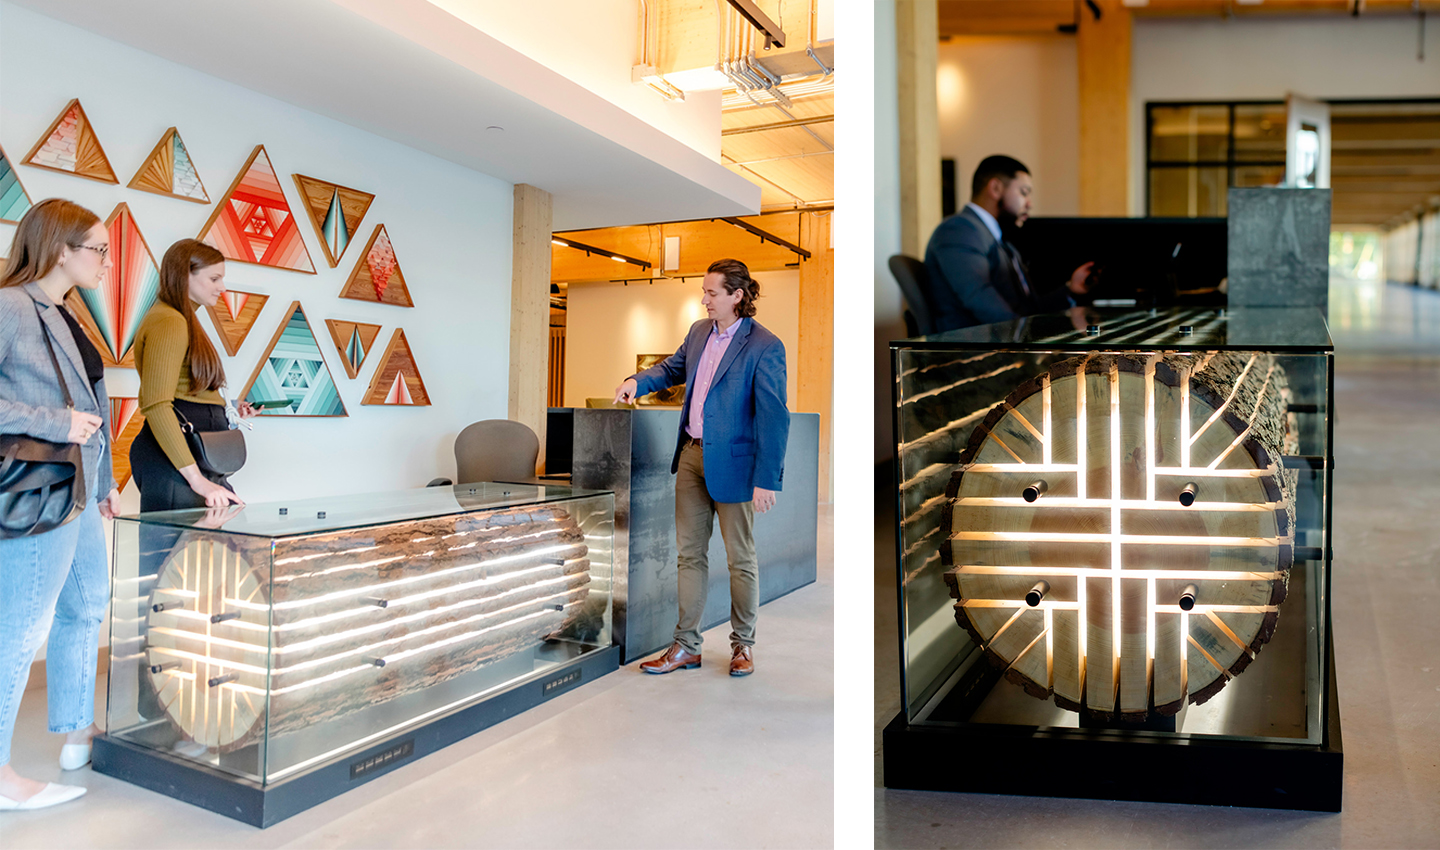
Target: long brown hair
(44, 230)
(737, 276)
(183, 259)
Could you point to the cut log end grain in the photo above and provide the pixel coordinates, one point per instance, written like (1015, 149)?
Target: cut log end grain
(303, 639)
(1116, 438)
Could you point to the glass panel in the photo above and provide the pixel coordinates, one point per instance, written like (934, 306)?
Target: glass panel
(333, 513)
(1187, 192)
(1191, 133)
(266, 656)
(1260, 132)
(1028, 471)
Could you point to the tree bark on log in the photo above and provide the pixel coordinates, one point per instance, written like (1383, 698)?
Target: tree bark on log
(1107, 445)
(329, 624)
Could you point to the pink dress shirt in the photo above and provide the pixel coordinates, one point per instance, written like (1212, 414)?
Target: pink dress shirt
(715, 346)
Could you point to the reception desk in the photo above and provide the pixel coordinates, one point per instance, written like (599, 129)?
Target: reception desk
(629, 452)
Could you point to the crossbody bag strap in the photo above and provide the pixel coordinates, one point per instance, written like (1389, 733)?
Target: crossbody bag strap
(54, 361)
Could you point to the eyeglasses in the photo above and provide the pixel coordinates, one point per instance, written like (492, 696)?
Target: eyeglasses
(103, 250)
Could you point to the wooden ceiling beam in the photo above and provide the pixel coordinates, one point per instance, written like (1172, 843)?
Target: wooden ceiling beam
(1049, 17)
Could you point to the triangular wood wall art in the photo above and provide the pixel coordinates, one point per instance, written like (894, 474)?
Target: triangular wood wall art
(377, 276)
(397, 379)
(293, 368)
(353, 340)
(336, 213)
(169, 171)
(125, 423)
(111, 313)
(71, 147)
(14, 200)
(253, 223)
(234, 315)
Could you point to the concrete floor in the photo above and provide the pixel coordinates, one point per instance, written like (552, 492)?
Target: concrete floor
(694, 758)
(1385, 582)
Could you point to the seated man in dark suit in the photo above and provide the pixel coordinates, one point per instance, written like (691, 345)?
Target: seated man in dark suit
(976, 276)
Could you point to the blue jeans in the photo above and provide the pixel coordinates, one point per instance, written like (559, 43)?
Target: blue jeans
(56, 583)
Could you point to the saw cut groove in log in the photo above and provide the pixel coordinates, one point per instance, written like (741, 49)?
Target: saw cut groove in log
(1117, 439)
(312, 642)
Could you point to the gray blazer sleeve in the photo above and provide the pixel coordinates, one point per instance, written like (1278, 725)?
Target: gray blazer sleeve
(17, 417)
(964, 258)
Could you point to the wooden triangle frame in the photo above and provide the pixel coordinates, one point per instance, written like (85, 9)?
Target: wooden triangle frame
(398, 359)
(81, 310)
(147, 177)
(316, 196)
(224, 205)
(265, 361)
(361, 285)
(86, 130)
(233, 330)
(340, 332)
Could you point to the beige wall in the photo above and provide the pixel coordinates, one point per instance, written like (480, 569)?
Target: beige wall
(609, 323)
(1017, 96)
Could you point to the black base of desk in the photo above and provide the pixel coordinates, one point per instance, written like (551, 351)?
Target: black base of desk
(265, 805)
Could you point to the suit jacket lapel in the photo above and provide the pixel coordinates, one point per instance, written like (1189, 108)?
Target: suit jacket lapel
(742, 335)
(60, 333)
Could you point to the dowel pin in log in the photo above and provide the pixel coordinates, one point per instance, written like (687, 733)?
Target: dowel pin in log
(228, 615)
(1187, 495)
(217, 681)
(1035, 490)
(166, 606)
(1037, 593)
(377, 601)
(378, 662)
(1187, 597)
(161, 668)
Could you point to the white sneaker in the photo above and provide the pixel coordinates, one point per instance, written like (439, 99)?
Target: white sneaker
(74, 756)
(51, 795)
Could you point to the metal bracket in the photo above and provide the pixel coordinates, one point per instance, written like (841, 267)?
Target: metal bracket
(765, 236)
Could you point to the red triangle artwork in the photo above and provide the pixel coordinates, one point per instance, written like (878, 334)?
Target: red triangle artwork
(71, 147)
(377, 276)
(397, 379)
(253, 223)
(234, 315)
(125, 423)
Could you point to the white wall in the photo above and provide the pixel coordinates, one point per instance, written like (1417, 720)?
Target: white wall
(595, 43)
(1264, 59)
(1014, 96)
(889, 306)
(607, 324)
(450, 227)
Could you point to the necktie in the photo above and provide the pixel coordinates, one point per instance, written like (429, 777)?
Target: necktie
(1019, 271)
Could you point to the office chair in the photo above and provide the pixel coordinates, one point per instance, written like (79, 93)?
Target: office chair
(914, 283)
(494, 450)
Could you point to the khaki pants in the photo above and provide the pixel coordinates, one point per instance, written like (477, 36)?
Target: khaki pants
(695, 514)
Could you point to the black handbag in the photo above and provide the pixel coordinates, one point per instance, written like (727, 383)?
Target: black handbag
(216, 452)
(41, 485)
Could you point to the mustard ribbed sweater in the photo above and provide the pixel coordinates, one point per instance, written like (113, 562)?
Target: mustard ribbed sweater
(162, 348)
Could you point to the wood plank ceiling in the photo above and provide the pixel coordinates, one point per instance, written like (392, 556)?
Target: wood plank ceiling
(1384, 161)
(788, 151)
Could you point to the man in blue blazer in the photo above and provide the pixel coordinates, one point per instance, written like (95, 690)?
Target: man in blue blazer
(976, 275)
(729, 455)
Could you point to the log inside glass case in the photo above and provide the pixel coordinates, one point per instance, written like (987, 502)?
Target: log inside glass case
(347, 620)
(1146, 493)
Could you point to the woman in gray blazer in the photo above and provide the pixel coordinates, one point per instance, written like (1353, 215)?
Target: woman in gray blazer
(56, 584)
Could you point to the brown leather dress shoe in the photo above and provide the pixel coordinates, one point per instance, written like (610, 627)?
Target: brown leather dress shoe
(742, 661)
(676, 657)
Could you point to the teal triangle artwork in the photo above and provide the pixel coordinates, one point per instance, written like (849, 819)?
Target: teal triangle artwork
(334, 229)
(355, 350)
(13, 199)
(294, 371)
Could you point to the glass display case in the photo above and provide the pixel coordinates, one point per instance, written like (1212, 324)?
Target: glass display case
(1113, 558)
(274, 655)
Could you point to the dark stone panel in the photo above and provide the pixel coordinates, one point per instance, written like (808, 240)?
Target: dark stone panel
(1279, 248)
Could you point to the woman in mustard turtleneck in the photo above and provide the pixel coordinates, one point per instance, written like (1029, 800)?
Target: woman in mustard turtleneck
(180, 376)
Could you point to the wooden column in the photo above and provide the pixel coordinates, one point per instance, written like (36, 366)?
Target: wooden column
(917, 47)
(815, 362)
(530, 310)
(1103, 51)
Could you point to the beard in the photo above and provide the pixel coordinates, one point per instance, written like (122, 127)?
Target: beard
(1008, 220)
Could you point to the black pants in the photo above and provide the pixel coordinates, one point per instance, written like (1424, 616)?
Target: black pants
(162, 487)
